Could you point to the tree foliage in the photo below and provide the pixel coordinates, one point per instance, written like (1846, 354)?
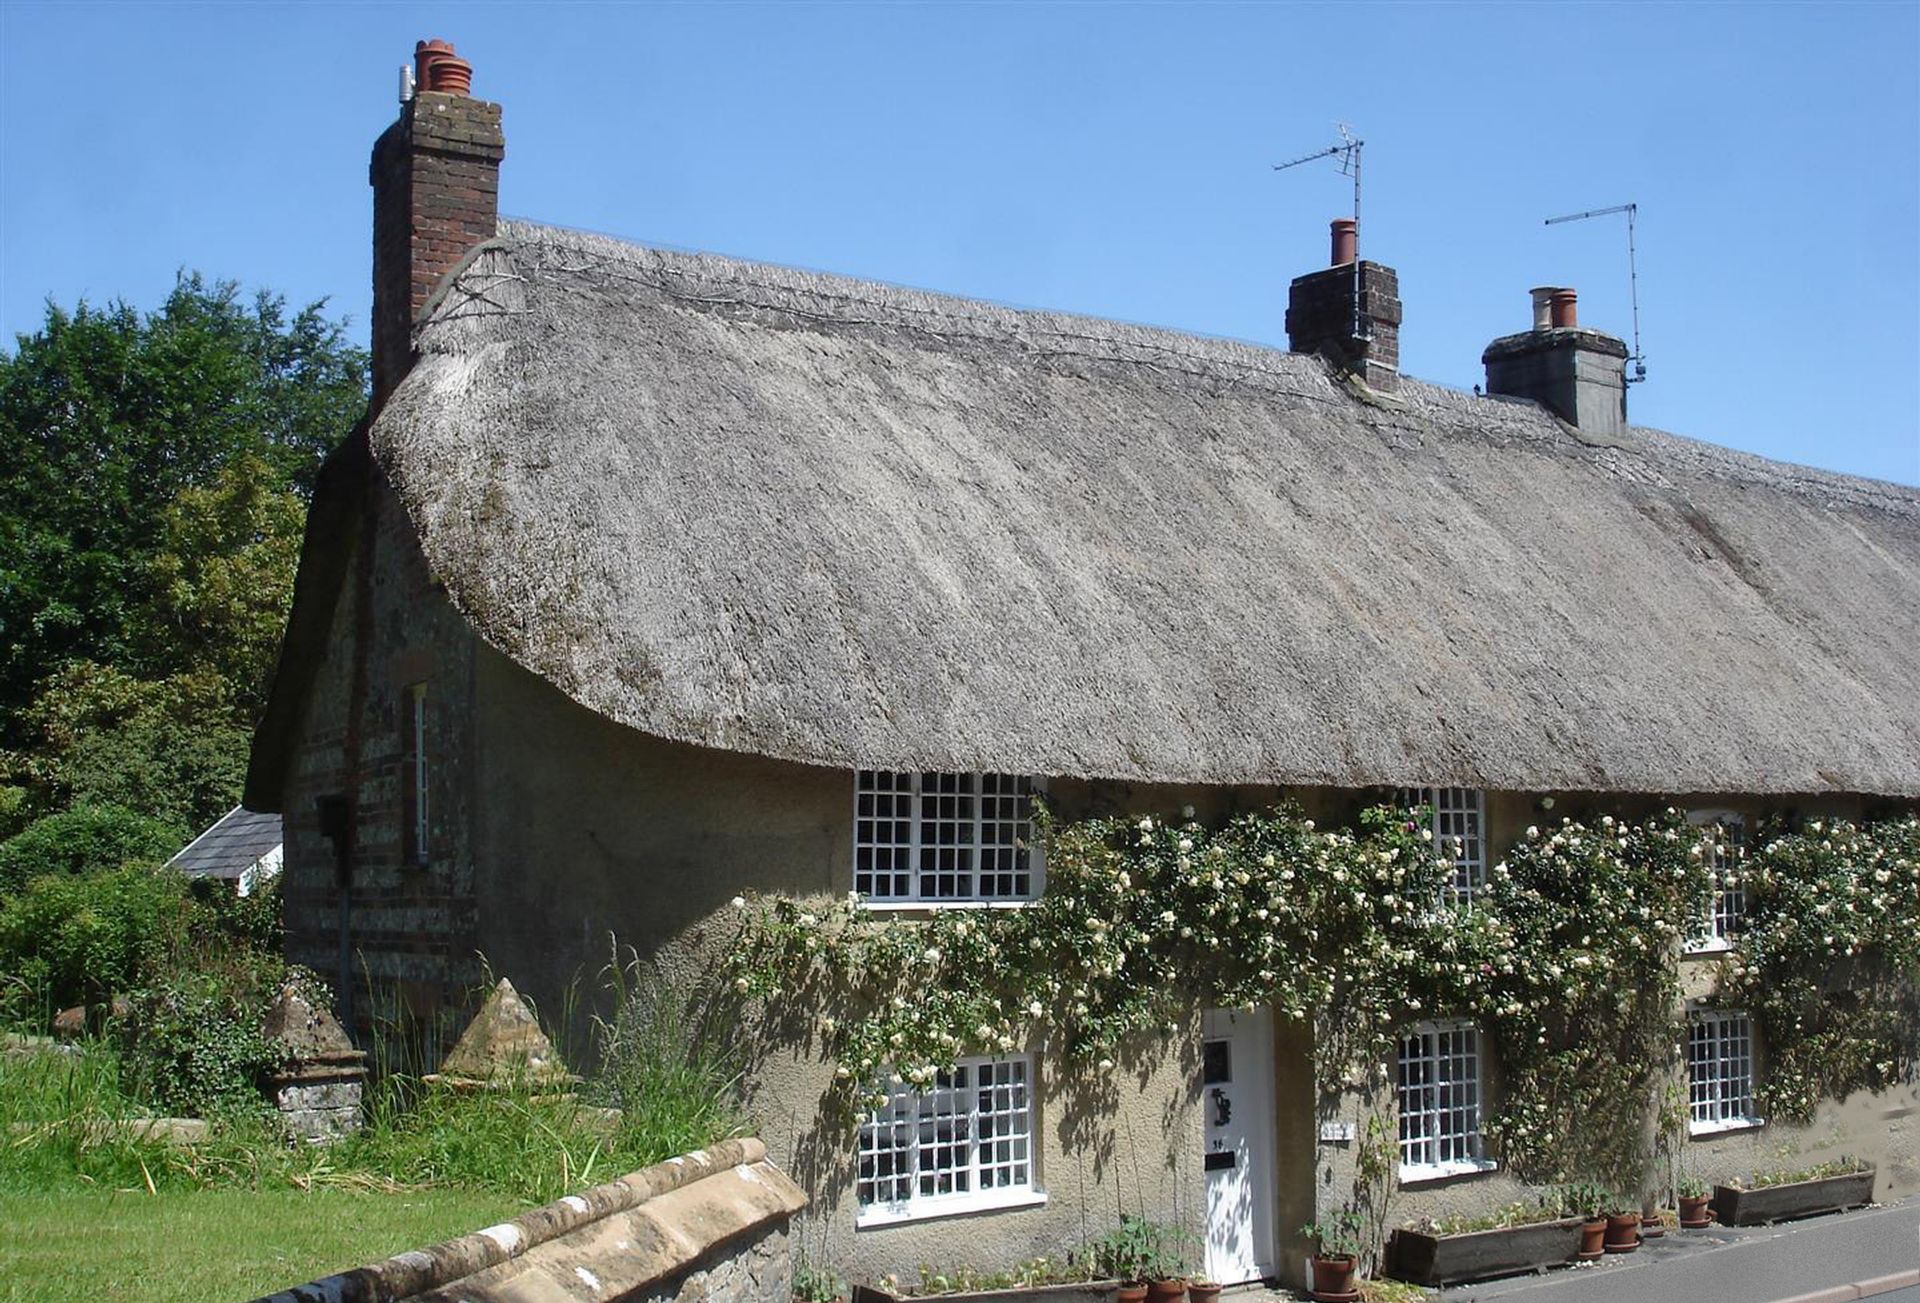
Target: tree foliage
(153, 476)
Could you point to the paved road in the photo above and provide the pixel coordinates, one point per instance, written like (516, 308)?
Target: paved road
(1724, 1265)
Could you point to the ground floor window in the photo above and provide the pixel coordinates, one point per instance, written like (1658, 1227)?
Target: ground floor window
(962, 1142)
(1719, 1072)
(1439, 1102)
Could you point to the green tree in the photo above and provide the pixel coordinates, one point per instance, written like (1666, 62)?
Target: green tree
(84, 840)
(110, 423)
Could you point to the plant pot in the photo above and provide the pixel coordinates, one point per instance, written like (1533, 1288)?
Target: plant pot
(1166, 1291)
(1622, 1233)
(1131, 1291)
(1333, 1278)
(1695, 1211)
(1202, 1291)
(1593, 1236)
(1652, 1225)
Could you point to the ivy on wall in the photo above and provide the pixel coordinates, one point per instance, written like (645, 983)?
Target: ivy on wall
(1828, 961)
(1566, 959)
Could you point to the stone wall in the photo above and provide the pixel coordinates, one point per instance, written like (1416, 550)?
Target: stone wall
(708, 1225)
(413, 959)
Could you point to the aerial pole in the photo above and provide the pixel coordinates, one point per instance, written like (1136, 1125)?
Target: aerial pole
(1633, 275)
(1348, 154)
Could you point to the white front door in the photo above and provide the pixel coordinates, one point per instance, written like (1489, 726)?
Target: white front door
(1236, 1095)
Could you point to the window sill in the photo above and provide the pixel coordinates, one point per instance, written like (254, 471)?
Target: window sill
(1707, 947)
(1724, 1126)
(958, 1205)
(939, 906)
(1422, 1173)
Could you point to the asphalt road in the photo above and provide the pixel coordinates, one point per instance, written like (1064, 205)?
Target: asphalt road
(1727, 1265)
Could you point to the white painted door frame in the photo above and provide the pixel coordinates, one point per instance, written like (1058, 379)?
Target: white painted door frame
(1237, 1103)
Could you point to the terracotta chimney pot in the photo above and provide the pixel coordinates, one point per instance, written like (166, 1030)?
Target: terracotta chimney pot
(1346, 240)
(1565, 314)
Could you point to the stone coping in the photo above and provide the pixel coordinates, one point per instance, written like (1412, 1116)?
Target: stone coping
(641, 1227)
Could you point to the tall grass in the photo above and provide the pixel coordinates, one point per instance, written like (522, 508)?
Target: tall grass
(675, 1080)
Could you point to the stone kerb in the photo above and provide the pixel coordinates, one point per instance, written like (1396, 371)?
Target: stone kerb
(712, 1224)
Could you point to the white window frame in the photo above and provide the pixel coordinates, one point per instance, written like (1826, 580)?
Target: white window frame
(1422, 1125)
(913, 847)
(1718, 929)
(1723, 1100)
(909, 1128)
(1456, 812)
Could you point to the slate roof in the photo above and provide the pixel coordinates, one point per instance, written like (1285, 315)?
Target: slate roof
(233, 844)
(848, 524)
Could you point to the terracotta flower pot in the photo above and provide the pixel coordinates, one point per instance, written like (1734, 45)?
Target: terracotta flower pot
(1593, 1235)
(1202, 1291)
(1652, 1225)
(1623, 1233)
(1166, 1291)
(1333, 1278)
(1695, 1212)
(1132, 1291)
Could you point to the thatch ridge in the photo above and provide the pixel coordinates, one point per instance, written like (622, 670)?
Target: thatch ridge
(853, 524)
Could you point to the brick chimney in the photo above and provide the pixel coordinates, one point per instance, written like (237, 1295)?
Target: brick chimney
(1321, 319)
(1579, 375)
(436, 183)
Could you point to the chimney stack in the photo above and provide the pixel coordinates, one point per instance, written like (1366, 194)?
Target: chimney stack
(436, 182)
(1578, 375)
(1321, 315)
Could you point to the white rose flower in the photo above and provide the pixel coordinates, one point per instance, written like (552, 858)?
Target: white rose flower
(739, 902)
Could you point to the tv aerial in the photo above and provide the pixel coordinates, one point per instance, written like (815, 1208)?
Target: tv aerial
(1347, 152)
(1638, 359)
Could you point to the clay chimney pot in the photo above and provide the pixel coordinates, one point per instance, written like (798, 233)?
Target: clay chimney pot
(1565, 314)
(1346, 240)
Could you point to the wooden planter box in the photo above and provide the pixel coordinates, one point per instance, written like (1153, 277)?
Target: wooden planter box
(1780, 1203)
(1086, 1291)
(1480, 1255)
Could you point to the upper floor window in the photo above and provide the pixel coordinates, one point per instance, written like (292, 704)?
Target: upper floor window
(413, 774)
(934, 837)
(1719, 1071)
(1726, 831)
(962, 1142)
(1458, 819)
(1439, 1102)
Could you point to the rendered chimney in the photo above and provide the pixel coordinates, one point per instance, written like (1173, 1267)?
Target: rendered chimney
(1320, 314)
(436, 184)
(1578, 375)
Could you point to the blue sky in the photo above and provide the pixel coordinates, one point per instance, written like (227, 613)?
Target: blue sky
(1108, 159)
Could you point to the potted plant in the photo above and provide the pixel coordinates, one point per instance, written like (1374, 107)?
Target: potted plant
(1623, 1223)
(813, 1284)
(1695, 1199)
(1336, 1261)
(1585, 1200)
(1203, 1291)
(1782, 1196)
(1653, 1223)
(1142, 1255)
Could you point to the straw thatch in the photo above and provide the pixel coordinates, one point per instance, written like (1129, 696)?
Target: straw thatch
(853, 525)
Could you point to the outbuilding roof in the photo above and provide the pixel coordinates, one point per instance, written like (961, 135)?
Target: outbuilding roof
(848, 524)
(234, 843)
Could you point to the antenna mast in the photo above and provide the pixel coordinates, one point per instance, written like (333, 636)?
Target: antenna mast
(1348, 152)
(1633, 275)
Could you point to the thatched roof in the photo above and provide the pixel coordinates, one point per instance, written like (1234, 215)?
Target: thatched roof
(853, 525)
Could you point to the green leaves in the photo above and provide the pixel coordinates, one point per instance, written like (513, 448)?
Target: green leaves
(153, 470)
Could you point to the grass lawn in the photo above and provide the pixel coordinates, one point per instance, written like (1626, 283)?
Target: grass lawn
(214, 1246)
